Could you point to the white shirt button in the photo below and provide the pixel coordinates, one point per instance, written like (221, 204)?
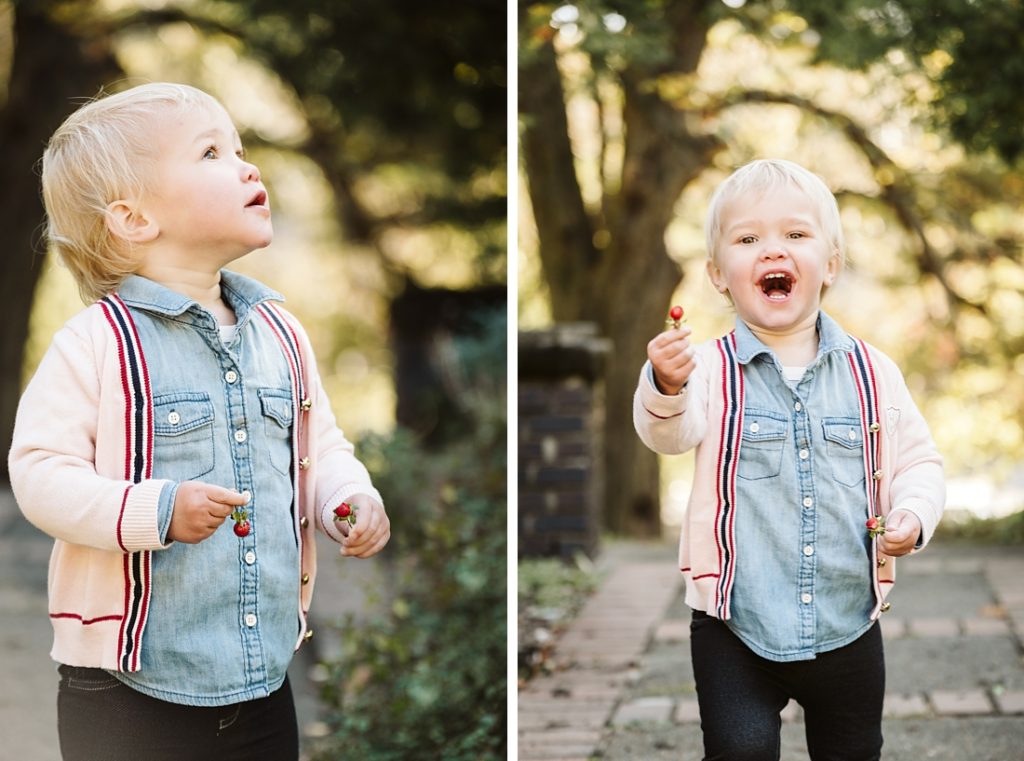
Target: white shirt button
(808, 502)
(250, 558)
(852, 434)
(754, 428)
(805, 598)
(804, 454)
(250, 620)
(231, 376)
(241, 436)
(808, 550)
(798, 406)
(174, 418)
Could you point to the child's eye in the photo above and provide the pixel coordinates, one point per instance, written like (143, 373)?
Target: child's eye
(797, 234)
(210, 153)
(241, 153)
(748, 239)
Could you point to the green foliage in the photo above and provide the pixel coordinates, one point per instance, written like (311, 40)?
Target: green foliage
(1008, 530)
(958, 43)
(428, 680)
(551, 592)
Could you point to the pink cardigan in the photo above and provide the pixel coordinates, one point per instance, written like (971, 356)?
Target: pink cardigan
(75, 478)
(902, 466)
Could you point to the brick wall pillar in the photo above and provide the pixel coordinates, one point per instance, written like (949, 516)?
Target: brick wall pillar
(561, 439)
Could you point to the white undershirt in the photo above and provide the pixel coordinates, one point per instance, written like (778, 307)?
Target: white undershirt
(791, 374)
(227, 333)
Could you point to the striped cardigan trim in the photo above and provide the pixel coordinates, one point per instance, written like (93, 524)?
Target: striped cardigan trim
(138, 466)
(867, 392)
(290, 346)
(728, 458)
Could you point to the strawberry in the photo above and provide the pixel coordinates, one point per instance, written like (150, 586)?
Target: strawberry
(242, 525)
(875, 525)
(675, 315)
(345, 512)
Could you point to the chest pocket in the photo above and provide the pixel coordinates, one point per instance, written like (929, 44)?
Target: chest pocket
(183, 435)
(276, 405)
(764, 435)
(844, 441)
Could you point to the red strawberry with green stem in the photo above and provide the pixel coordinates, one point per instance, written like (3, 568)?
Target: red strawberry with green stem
(875, 525)
(242, 525)
(675, 317)
(345, 512)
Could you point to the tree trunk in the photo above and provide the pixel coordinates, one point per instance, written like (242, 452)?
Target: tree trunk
(49, 69)
(565, 231)
(626, 287)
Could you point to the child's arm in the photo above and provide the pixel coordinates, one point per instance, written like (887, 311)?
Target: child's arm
(52, 460)
(671, 423)
(341, 477)
(918, 483)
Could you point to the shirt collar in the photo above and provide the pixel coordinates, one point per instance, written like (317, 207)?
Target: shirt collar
(831, 337)
(240, 292)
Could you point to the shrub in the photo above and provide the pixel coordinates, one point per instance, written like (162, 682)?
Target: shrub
(428, 680)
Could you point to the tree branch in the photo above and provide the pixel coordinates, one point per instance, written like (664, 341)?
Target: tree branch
(898, 193)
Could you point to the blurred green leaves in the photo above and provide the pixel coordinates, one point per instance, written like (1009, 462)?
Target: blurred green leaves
(428, 679)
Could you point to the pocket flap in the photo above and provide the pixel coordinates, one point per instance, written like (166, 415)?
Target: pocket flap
(175, 414)
(277, 406)
(762, 425)
(845, 432)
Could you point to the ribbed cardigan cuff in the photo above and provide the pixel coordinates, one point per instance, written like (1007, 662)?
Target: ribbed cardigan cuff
(138, 524)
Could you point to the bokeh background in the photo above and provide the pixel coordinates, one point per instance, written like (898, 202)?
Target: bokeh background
(632, 112)
(380, 130)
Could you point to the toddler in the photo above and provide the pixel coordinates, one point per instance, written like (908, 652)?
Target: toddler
(182, 397)
(814, 470)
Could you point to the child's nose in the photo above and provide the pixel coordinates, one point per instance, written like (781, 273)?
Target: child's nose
(250, 171)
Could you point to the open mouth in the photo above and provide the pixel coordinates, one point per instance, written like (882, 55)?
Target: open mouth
(260, 199)
(777, 285)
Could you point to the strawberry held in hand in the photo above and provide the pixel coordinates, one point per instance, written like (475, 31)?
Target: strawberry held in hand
(675, 317)
(345, 512)
(242, 525)
(875, 525)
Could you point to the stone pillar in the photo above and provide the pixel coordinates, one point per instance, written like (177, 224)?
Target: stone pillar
(561, 440)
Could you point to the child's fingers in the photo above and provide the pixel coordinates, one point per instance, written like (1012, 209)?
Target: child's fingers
(224, 496)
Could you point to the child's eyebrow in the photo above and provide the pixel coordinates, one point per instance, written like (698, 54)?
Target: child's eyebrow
(213, 134)
(757, 222)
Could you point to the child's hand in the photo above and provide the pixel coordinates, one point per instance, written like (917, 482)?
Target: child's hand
(200, 509)
(371, 531)
(902, 529)
(671, 357)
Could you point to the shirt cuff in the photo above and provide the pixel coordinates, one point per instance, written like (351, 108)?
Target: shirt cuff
(656, 403)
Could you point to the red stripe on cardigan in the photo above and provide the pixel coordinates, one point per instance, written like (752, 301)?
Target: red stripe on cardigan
(87, 621)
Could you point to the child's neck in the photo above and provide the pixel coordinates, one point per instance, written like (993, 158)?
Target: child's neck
(796, 346)
(200, 286)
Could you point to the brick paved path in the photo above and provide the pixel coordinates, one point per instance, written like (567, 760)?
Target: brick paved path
(624, 689)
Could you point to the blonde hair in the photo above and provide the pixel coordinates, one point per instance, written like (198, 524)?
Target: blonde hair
(100, 154)
(759, 177)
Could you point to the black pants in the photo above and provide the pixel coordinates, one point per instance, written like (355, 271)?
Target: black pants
(742, 694)
(101, 719)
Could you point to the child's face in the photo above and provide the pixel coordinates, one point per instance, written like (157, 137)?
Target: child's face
(773, 259)
(207, 201)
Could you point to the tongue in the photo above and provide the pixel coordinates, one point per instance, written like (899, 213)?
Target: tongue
(774, 292)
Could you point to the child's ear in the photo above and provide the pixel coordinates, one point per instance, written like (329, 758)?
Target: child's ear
(127, 221)
(715, 275)
(833, 268)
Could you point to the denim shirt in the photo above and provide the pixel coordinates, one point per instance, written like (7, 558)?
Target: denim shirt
(800, 504)
(223, 618)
